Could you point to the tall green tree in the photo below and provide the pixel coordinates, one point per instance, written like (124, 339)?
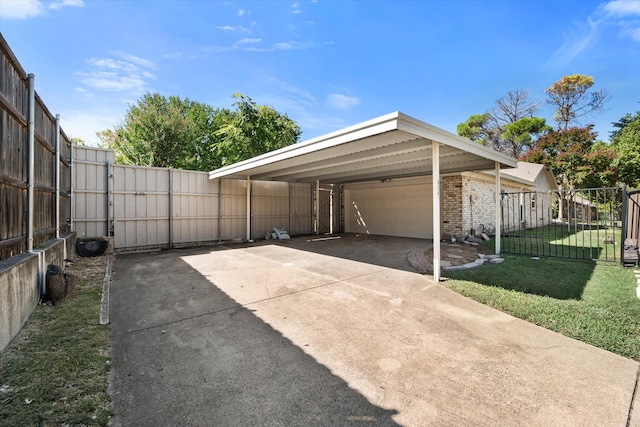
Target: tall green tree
(625, 140)
(253, 130)
(509, 127)
(184, 134)
(575, 157)
(573, 99)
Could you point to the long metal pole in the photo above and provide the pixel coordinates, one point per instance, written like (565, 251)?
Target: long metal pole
(170, 200)
(31, 165)
(316, 223)
(219, 209)
(435, 193)
(57, 203)
(248, 209)
(498, 200)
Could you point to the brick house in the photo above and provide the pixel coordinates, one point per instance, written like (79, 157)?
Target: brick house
(468, 199)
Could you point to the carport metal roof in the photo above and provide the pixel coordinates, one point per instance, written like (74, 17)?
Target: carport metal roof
(391, 146)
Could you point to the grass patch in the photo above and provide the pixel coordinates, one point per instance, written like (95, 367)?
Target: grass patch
(593, 302)
(54, 371)
(575, 240)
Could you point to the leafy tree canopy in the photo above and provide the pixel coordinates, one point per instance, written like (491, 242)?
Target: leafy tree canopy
(573, 100)
(509, 127)
(184, 134)
(625, 140)
(575, 158)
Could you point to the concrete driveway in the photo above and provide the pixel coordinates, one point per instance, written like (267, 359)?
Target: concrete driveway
(339, 332)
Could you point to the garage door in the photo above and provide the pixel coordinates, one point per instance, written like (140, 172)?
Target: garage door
(401, 207)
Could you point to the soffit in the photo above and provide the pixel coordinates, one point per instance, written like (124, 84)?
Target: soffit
(387, 147)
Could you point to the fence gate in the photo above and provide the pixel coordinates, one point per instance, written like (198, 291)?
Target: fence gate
(631, 227)
(578, 224)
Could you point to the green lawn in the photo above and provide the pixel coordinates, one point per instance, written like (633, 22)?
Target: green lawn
(54, 371)
(589, 301)
(576, 240)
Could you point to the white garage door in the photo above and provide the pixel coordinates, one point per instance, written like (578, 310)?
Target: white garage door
(402, 207)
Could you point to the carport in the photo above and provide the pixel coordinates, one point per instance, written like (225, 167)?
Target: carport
(383, 149)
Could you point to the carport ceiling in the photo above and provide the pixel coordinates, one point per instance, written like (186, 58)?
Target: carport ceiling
(391, 146)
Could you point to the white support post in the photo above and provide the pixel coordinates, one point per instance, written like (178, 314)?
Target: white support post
(249, 209)
(331, 195)
(435, 160)
(498, 209)
(316, 209)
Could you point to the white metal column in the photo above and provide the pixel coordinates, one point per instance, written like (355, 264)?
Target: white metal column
(435, 160)
(316, 209)
(248, 209)
(498, 209)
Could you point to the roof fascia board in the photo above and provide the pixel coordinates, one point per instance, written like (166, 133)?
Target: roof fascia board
(418, 127)
(363, 130)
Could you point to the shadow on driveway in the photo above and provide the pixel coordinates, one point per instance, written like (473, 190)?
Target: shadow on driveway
(187, 354)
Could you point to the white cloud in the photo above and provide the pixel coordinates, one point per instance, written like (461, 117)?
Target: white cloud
(634, 34)
(114, 75)
(342, 102)
(623, 7)
(66, 3)
(226, 28)
(82, 124)
(242, 12)
(248, 41)
(21, 9)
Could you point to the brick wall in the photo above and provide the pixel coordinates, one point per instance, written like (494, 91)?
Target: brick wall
(478, 204)
(450, 189)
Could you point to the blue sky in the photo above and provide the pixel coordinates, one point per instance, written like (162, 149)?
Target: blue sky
(326, 64)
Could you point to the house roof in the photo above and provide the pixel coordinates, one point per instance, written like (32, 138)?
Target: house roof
(527, 173)
(390, 146)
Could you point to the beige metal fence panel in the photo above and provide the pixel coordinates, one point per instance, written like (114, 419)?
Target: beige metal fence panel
(194, 208)
(233, 210)
(90, 198)
(269, 207)
(301, 221)
(141, 207)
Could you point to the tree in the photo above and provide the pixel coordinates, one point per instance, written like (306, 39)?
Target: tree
(625, 140)
(184, 134)
(254, 130)
(509, 127)
(573, 100)
(575, 158)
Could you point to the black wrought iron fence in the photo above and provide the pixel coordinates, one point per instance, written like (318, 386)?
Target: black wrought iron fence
(579, 224)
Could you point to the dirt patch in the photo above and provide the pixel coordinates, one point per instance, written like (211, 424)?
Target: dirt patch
(458, 253)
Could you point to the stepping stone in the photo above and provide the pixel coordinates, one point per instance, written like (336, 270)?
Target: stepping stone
(444, 263)
(480, 261)
(496, 260)
(481, 256)
(453, 256)
(492, 256)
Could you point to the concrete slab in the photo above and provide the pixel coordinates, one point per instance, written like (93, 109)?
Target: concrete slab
(310, 333)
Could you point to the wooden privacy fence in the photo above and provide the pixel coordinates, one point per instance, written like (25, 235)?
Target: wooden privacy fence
(35, 164)
(146, 208)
